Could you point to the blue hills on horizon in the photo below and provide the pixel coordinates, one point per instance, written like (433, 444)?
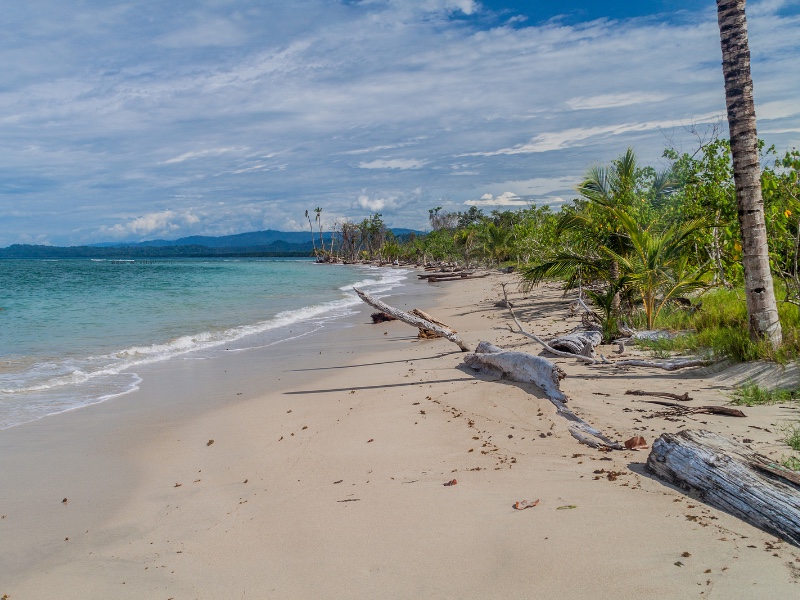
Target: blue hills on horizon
(269, 242)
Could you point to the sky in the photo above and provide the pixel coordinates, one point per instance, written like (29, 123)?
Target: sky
(127, 121)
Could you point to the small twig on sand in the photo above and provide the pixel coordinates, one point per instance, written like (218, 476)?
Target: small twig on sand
(691, 410)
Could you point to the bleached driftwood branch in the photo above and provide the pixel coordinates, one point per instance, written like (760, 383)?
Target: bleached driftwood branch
(731, 477)
(412, 320)
(526, 368)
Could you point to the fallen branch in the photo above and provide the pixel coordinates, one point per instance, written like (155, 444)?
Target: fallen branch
(690, 410)
(683, 397)
(731, 477)
(527, 368)
(536, 338)
(412, 320)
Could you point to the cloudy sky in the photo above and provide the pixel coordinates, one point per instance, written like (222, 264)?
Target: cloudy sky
(151, 119)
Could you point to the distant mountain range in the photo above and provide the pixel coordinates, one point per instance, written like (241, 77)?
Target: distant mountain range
(254, 243)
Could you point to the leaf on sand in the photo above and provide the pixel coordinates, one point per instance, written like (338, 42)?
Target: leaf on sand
(637, 442)
(566, 507)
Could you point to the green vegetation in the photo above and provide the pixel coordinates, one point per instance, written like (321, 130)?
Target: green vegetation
(751, 394)
(648, 249)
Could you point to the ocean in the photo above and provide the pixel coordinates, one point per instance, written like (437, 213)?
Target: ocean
(75, 332)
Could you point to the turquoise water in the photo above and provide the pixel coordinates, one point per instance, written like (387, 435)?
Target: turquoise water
(73, 332)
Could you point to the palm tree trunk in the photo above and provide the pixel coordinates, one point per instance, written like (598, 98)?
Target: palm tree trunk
(762, 309)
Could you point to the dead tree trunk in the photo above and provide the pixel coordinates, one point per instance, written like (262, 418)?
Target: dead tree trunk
(526, 368)
(412, 320)
(731, 477)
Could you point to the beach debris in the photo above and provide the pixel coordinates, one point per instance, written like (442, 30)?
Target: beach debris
(209, 442)
(245, 481)
(637, 442)
(567, 507)
(523, 504)
(370, 440)
(732, 477)
(64, 501)
(340, 481)
(450, 483)
(382, 317)
(681, 410)
(427, 334)
(413, 320)
(578, 342)
(527, 368)
(682, 397)
(350, 500)
(178, 485)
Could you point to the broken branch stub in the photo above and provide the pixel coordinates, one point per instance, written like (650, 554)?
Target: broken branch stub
(412, 320)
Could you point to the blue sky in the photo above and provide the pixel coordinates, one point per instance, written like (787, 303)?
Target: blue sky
(152, 119)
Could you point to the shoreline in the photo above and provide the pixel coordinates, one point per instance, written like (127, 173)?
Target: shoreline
(330, 482)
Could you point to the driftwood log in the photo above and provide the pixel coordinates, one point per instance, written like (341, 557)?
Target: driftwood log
(578, 342)
(731, 477)
(412, 320)
(526, 368)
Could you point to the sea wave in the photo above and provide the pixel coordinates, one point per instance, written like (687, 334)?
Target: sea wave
(55, 386)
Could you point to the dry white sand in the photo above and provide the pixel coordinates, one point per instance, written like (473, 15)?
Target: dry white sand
(325, 479)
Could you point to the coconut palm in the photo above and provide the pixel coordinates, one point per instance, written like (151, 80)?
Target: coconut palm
(759, 291)
(652, 264)
(496, 243)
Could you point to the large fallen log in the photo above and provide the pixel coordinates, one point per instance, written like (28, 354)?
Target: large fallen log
(527, 368)
(413, 320)
(731, 477)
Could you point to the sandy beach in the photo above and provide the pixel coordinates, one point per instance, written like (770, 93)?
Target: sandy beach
(316, 469)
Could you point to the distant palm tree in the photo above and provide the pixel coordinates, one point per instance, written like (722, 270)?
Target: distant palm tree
(313, 243)
(762, 309)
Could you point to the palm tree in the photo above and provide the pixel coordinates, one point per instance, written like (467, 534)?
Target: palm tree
(318, 219)
(762, 309)
(653, 264)
(313, 243)
(657, 265)
(496, 242)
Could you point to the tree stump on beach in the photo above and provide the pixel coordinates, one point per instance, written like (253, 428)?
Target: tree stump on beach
(732, 477)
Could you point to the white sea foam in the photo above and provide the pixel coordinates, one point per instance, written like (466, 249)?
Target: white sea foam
(57, 386)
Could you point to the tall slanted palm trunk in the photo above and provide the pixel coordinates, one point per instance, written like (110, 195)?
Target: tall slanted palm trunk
(762, 309)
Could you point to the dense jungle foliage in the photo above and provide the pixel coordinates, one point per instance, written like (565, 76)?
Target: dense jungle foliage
(649, 249)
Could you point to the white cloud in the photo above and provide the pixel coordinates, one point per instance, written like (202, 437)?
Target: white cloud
(376, 204)
(199, 154)
(504, 199)
(614, 100)
(395, 163)
(567, 138)
(160, 223)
